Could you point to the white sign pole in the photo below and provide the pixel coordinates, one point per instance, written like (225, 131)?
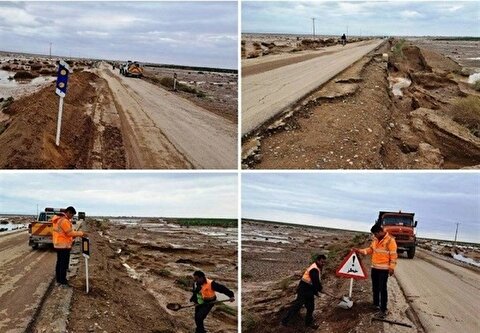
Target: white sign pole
(351, 287)
(86, 272)
(59, 121)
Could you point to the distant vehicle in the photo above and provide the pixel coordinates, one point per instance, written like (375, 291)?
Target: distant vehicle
(131, 68)
(401, 226)
(41, 230)
(81, 215)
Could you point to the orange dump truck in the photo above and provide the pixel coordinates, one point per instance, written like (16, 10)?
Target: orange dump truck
(41, 229)
(401, 226)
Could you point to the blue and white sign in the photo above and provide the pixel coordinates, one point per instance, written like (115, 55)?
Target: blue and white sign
(62, 78)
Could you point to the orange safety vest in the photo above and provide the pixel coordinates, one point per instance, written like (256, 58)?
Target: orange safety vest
(207, 292)
(63, 233)
(384, 252)
(306, 276)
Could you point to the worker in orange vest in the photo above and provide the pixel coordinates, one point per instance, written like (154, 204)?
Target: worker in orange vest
(63, 236)
(310, 285)
(384, 260)
(204, 295)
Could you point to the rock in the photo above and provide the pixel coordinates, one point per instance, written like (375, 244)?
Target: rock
(392, 125)
(369, 130)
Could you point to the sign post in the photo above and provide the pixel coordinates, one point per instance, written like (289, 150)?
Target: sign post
(61, 90)
(86, 255)
(351, 267)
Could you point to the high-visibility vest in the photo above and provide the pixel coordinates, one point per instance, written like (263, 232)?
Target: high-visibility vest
(207, 292)
(384, 252)
(306, 276)
(63, 233)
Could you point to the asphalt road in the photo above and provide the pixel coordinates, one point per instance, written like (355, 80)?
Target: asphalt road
(445, 296)
(267, 94)
(167, 131)
(25, 275)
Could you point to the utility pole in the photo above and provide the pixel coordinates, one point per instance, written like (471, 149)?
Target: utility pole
(50, 50)
(37, 209)
(347, 31)
(313, 26)
(456, 232)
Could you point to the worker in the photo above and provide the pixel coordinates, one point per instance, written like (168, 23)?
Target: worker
(204, 296)
(310, 285)
(384, 259)
(63, 236)
(343, 39)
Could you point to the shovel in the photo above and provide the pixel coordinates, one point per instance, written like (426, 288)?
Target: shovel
(177, 306)
(345, 303)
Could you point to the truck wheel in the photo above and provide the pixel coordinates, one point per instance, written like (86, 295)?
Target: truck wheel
(411, 253)
(35, 246)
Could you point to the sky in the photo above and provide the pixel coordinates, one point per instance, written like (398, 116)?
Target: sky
(117, 194)
(405, 18)
(352, 200)
(181, 33)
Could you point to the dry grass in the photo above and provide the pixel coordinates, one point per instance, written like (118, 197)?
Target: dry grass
(466, 111)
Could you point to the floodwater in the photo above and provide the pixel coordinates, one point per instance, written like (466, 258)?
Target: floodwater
(17, 88)
(7, 226)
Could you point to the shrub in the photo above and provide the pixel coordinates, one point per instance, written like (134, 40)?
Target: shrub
(23, 75)
(466, 111)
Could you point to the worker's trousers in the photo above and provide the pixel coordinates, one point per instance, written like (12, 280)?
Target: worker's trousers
(63, 259)
(379, 287)
(302, 299)
(201, 312)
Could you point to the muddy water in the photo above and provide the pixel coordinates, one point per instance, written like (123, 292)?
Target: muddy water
(17, 88)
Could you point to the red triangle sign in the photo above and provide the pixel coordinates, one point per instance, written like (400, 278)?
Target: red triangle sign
(352, 267)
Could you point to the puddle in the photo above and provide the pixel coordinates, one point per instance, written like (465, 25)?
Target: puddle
(7, 226)
(397, 84)
(470, 261)
(474, 78)
(5, 82)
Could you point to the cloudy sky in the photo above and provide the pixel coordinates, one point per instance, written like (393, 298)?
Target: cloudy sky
(185, 33)
(352, 201)
(418, 18)
(131, 194)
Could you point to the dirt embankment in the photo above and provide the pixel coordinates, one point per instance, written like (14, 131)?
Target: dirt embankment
(412, 110)
(28, 140)
(136, 269)
(274, 258)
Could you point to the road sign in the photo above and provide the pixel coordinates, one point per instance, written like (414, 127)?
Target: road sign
(352, 267)
(61, 90)
(86, 255)
(86, 247)
(62, 78)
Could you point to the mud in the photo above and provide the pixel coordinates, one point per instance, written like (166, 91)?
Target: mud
(271, 273)
(139, 265)
(29, 138)
(356, 121)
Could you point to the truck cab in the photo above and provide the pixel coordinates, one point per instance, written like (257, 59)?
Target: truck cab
(402, 227)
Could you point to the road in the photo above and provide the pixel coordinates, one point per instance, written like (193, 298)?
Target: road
(166, 131)
(267, 94)
(445, 296)
(25, 275)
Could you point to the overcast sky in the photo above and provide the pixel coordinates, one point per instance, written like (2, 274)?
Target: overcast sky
(131, 194)
(352, 201)
(182, 33)
(419, 18)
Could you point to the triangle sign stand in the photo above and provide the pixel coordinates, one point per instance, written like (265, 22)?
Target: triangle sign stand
(351, 267)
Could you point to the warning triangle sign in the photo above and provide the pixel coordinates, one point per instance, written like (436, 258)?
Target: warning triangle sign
(352, 267)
